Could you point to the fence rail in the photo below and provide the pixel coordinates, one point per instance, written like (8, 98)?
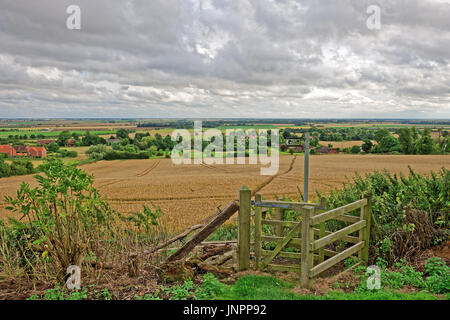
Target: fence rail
(308, 239)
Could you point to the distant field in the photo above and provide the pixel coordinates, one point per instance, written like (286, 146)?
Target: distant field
(53, 133)
(190, 193)
(343, 144)
(256, 126)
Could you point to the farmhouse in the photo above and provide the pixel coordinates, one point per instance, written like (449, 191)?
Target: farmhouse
(36, 152)
(45, 141)
(70, 142)
(7, 149)
(32, 152)
(21, 149)
(326, 150)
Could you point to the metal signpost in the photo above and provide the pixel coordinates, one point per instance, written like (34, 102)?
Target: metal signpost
(298, 142)
(306, 175)
(293, 142)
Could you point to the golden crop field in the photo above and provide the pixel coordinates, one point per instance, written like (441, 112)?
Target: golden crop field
(188, 194)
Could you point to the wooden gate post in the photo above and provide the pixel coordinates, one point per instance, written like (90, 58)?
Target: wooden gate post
(323, 204)
(257, 245)
(367, 215)
(245, 204)
(279, 230)
(307, 238)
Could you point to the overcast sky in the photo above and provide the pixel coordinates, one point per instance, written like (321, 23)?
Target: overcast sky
(225, 58)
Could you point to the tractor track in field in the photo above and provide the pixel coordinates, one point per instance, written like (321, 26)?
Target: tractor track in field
(269, 180)
(113, 181)
(130, 200)
(208, 166)
(148, 170)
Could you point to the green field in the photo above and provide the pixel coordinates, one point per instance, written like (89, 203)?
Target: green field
(5, 134)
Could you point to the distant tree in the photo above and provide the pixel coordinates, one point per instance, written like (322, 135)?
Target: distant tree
(63, 138)
(388, 144)
(76, 136)
(426, 142)
(122, 134)
(92, 139)
(367, 146)
(286, 134)
(53, 147)
(408, 145)
(355, 149)
(380, 134)
(5, 169)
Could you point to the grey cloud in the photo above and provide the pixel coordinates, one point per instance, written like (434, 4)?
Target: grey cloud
(247, 58)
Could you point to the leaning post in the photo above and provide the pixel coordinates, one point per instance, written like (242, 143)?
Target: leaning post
(244, 228)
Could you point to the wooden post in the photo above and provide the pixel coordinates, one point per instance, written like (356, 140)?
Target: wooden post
(365, 234)
(244, 228)
(323, 204)
(258, 218)
(307, 238)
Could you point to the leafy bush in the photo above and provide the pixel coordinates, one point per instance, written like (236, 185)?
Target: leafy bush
(439, 276)
(395, 202)
(224, 233)
(66, 211)
(17, 167)
(211, 287)
(437, 281)
(61, 294)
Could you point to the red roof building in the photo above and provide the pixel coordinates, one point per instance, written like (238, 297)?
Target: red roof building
(21, 149)
(10, 151)
(45, 141)
(36, 152)
(327, 150)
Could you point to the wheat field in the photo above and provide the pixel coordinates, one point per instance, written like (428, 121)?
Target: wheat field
(188, 194)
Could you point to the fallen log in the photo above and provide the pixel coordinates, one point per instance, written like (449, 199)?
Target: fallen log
(210, 251)
(174, 239)
(179, 237)
(208, 229)
(220, 260)
(203, 267)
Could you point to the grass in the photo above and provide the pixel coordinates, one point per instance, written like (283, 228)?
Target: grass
(252, 287)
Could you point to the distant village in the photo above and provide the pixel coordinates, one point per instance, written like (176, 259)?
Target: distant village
(38, 151)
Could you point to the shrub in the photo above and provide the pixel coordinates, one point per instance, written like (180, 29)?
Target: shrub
(413, 209)
(67, 213)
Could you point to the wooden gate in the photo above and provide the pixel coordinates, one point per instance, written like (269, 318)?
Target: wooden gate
(303, 241)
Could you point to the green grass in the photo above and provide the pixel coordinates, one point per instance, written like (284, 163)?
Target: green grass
(252, 287)
(261, 288)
